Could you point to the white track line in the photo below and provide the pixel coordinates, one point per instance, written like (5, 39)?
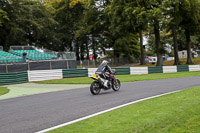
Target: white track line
(108, 110)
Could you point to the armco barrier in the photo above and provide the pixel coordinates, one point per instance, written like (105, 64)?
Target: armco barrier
(122, 70)
(40, 75)
(194, 67)
(67, 73)
(138, 70)
(91, 71)
(169, 69)
(183, 68)
(13, 78)
(119, 70)
(157, 69)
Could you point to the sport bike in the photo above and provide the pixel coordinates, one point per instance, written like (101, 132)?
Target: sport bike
(98, 84)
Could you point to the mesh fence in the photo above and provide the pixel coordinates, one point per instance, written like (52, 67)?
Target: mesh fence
(36, 53)
(16, 55)
(113, 62)
(39, 65)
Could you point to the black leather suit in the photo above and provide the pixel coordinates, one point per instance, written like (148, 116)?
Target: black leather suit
(102, 69)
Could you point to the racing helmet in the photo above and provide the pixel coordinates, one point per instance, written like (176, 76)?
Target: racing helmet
(105, 62)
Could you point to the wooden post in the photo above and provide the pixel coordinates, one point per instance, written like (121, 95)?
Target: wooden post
(67, 64)
(50, 65)
(28, 65)
(6, 68)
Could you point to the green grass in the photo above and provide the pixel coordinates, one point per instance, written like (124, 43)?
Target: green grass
(3, 90)
(173, 113)
(124, 78)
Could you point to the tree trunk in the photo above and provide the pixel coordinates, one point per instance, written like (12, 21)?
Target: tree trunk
(94, 48)
(188, 43)
(82, 51)
(77, 52)
(158, 45)
(87, 48)
(174, 33)
(70, 46)
(141, 48)
(116, 56)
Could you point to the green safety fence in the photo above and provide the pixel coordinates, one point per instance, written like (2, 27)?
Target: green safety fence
(158, 69)
(68, 73)
(13, 78)
(182, 68)
(122, 70)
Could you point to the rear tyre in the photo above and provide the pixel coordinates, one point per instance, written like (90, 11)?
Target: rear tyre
(116, 85)
(94, 88)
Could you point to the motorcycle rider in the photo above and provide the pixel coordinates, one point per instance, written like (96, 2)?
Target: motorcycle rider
(102, 69)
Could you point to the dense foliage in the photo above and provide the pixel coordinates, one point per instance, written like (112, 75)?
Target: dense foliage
(86, 26)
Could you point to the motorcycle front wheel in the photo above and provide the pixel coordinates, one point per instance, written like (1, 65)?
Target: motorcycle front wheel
(116, 85)
(94, 88)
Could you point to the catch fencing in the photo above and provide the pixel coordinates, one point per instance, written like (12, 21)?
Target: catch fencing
(41, 53)
(113, 62)
(38, 65)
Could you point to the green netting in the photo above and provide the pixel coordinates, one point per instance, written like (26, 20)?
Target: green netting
(158, 69)
(13, 78)
(68, 73)
(182, 68)
(122, 70)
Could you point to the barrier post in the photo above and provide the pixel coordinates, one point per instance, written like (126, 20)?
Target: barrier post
(67, 64)
(6, 68)
(50, 65)
(28, 65)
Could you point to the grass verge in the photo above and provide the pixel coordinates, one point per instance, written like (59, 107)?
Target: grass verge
(124, 78)
(3, 90)
(173, 113)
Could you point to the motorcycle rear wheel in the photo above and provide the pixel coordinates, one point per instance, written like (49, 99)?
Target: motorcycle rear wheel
(116, 85)
(94, 88)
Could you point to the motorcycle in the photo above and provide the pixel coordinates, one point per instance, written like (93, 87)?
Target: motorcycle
(98, 84)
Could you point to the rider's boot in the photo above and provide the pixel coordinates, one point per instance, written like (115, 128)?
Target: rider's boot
(106, 83)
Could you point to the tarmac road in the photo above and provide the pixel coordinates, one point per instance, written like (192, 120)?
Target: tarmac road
(29, 114)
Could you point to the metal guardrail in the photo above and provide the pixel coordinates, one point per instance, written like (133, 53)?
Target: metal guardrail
(13, 78)
(24, 76)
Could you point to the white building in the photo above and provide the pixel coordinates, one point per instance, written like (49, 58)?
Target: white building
(183, 54)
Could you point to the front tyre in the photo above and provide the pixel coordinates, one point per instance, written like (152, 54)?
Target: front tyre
(116, 85)
(94, 88)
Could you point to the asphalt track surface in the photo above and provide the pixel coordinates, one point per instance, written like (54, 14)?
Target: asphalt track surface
(29, 114)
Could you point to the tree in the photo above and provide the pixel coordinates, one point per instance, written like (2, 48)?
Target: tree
(153, 11)
(172, 12)
(139, 18)
(3, 17)
(67, 13)
(30, 24)
(190, 11)
(122, 31)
